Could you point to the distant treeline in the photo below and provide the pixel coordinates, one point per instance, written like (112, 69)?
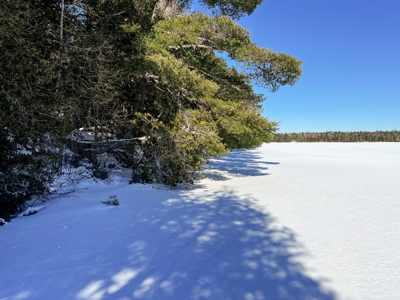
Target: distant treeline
(338, 136)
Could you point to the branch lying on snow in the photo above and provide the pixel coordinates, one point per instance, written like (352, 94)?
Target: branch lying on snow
(30, 211)
(85, 135)
(142, 139)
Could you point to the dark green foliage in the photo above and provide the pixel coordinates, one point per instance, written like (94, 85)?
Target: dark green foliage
(145, 78)
(28, 101)
(24, 173)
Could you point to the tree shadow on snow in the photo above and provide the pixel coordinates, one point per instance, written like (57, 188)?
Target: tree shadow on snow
(217, 246)
(237, 163)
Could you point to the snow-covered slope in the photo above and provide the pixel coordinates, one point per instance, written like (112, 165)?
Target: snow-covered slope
(285, 221)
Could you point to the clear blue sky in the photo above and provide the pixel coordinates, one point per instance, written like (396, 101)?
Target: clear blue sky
(351, 69)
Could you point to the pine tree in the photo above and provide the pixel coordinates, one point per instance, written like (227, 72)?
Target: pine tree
(147, 78)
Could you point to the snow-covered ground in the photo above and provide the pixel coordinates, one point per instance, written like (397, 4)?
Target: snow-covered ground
(285, 221)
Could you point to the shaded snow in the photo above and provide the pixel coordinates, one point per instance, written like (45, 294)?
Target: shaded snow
(285, 221)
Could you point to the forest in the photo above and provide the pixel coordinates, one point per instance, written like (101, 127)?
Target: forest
(338, 136)
(144, 84)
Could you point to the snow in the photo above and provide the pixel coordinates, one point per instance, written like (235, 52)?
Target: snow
(284, 221)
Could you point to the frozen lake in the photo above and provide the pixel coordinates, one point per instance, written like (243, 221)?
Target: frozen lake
(342, 201)
(284, 221)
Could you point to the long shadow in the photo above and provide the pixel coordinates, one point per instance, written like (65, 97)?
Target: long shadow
(158, 244)
(217, 246)
(237, 163)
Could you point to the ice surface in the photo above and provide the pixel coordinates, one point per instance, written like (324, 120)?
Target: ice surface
(284, 221)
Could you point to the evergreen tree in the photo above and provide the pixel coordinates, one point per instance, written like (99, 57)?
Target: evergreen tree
(148, 79)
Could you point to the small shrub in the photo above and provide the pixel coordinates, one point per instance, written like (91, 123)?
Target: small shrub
(112, 201)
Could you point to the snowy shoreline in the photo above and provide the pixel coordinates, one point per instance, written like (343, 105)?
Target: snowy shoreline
(284, 221)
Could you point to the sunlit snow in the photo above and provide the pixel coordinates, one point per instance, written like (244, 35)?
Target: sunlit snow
(284, 221)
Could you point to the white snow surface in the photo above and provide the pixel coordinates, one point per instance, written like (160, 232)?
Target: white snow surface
(284, 221)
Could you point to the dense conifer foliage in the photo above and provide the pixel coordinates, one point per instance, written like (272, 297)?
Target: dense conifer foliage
(147, 80)
(338, 136)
